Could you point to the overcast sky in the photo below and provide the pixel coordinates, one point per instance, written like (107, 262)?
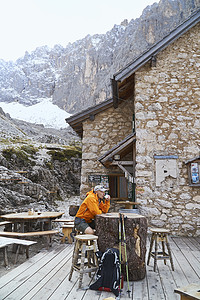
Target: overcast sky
(27, 24)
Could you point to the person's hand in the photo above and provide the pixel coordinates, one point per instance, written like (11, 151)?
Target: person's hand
(107, 197)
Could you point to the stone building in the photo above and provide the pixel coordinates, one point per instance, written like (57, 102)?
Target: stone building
(144, 143)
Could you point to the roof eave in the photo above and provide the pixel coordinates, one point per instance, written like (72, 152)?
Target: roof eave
(145, 57)
(89, 113)
(193, 159)
(106, 158)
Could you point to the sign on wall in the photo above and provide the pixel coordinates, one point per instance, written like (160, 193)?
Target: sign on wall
(195, 172)
(99, 179)
(165, 166)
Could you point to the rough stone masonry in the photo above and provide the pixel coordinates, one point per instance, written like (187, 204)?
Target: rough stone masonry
(167, 114)
(167, 110)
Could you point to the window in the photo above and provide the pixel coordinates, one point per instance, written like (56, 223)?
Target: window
(118, 187)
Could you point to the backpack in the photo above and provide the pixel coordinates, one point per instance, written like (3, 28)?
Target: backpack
(108, 274)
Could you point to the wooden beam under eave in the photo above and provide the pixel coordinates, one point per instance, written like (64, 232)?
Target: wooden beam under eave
(153, 61)
(115, 92)
(92, 117)
(78, 129)
(127, 88)
(122, 162)
(123, 149)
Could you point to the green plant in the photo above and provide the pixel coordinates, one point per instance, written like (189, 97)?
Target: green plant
(17, 155)
(66, 153)
(30, 149)
(49, 165)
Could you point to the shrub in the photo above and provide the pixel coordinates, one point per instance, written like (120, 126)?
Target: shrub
(30, 149)
(17, 155)
(65, 154)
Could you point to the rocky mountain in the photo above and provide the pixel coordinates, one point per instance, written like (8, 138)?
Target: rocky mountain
(13, 129)
(39, 167)
(78, 75)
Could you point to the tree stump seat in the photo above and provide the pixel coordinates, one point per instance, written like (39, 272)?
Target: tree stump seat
(107, 229)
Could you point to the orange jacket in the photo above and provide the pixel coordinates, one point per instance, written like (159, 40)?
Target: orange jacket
(91, 207)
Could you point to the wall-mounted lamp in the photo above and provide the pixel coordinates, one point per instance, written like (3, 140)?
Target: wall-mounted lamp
(116, 157)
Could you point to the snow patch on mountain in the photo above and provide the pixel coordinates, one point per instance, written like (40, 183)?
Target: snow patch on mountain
(44, 112)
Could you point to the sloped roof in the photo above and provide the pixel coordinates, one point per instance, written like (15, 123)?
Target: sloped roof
(124, 75)
(157, 47)
(76, 121)
(191, 160)
(123, 148)
(120, 82)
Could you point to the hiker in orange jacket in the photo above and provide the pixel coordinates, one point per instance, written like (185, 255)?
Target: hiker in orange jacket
(94, 204)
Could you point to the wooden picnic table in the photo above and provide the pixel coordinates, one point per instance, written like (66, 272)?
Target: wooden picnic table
(20, 219)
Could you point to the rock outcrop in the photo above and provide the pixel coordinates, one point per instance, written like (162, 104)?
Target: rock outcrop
(38, 166)
(36, 178)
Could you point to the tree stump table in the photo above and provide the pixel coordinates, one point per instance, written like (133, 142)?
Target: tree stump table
(107, 229)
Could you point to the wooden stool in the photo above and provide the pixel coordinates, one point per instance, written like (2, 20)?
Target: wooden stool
(189, 292)
(67, 230)
(160, 235)
(83, 255)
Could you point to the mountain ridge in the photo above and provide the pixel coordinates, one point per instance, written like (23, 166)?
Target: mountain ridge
(78, 76)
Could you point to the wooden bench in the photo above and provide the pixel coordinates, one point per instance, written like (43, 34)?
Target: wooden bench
(47, 233)
(7, 225)
(189, 292)
(5, 242)
(66, 229)
(63, 220)
(26, 244)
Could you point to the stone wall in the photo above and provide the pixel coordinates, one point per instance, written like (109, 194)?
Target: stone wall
(167, 114)
(167, 107)
(99, 136)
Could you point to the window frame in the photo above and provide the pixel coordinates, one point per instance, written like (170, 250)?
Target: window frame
(189, 165)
